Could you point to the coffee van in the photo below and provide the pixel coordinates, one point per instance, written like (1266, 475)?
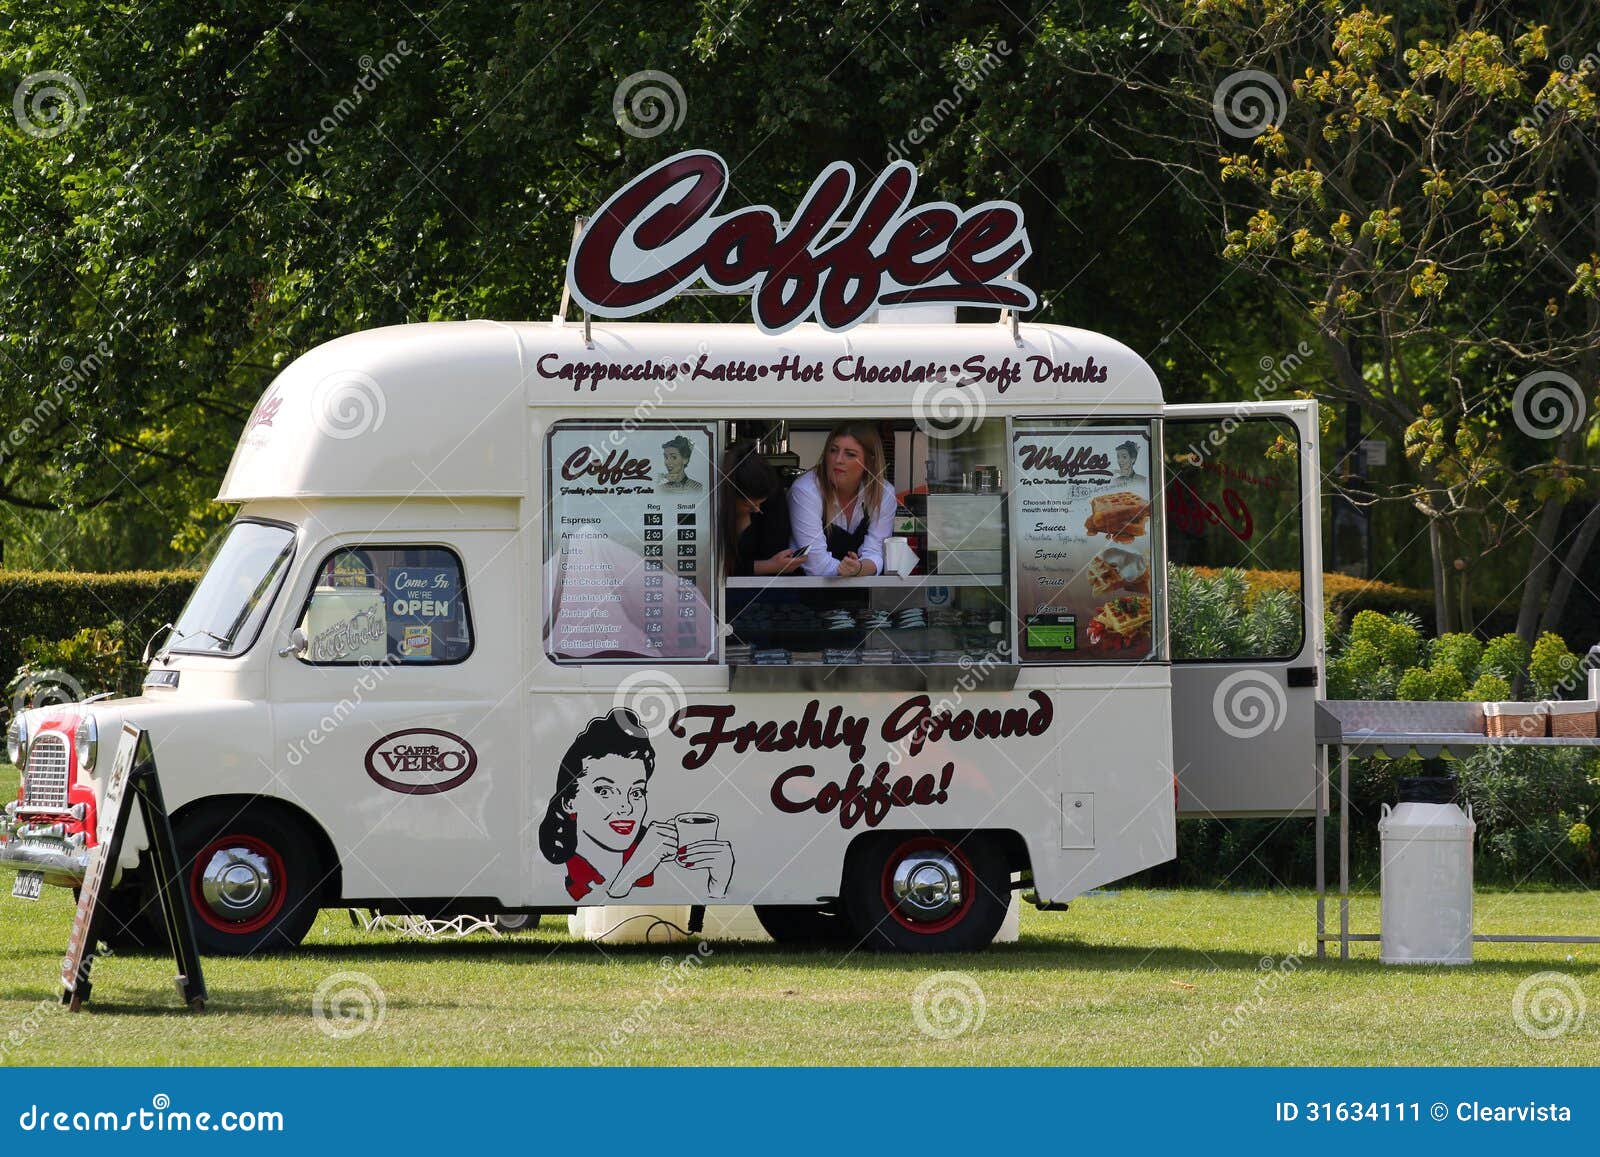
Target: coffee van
(471, 643)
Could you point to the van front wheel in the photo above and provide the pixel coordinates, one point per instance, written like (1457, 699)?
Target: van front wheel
(927, 893)
(252, 877)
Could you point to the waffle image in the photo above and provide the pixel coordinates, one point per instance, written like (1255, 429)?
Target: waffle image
(1122, 620)
(1122, 515)
(1106, 575)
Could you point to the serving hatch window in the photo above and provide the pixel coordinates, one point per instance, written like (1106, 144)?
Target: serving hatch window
(1087, 541)
(933, 528)
(630, 541)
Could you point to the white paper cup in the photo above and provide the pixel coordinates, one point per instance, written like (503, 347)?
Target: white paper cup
(898, 557)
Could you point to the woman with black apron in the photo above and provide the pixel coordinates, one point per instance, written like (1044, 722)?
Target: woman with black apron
(842, 510)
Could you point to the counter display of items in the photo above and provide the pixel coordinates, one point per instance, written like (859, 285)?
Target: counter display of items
(869, 627)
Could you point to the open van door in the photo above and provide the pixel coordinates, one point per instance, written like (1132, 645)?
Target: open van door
(1242, 490)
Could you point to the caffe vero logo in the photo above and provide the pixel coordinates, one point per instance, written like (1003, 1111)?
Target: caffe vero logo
(661, 233)
(421, 761)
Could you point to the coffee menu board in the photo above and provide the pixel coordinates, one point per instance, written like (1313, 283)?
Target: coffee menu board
(1081, 518)
(630, 537)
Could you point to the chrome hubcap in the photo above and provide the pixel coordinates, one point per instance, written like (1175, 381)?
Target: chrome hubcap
(927, 885)
(237, 883)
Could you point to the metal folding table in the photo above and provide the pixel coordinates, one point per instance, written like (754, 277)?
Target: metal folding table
(1379, 727)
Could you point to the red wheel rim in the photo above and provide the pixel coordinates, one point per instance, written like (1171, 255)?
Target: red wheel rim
(968, 886)
(275, 871)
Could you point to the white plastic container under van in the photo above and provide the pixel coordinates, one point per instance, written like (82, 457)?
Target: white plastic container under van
(1426, 883)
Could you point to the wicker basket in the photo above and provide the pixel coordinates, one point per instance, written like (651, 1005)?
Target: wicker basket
(1572, 719)
(1508, 720)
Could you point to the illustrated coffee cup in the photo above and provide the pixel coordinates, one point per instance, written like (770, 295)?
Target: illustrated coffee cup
(694, 827)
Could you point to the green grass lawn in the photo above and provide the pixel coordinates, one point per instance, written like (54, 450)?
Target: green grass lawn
(1130, 977)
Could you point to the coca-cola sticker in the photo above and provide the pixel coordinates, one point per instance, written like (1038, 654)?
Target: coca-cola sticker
(660, 233)
(421, 761)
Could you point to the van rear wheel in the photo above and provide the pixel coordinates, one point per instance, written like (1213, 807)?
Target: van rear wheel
(252, 877)
(926, 892)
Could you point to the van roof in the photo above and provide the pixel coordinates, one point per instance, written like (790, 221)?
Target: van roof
(439, 409)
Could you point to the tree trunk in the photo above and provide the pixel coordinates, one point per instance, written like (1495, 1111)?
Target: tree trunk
(1538, 568)
(1577, 555)
(1441, 585)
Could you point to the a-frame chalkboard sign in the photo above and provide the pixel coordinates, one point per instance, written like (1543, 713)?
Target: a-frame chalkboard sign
(133, 772)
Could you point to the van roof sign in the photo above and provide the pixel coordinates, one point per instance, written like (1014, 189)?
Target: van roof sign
(660, 234)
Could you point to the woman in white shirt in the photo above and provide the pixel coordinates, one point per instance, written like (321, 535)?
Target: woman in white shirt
(842, 509)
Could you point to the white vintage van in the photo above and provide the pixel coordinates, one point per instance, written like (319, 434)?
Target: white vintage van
(488, 635)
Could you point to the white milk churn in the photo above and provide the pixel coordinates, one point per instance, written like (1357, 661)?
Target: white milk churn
(1427, 875)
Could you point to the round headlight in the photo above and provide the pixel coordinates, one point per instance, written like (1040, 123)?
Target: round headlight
(88, 740)
(17, 739)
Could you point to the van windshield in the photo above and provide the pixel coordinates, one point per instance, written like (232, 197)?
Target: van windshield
(224, 614)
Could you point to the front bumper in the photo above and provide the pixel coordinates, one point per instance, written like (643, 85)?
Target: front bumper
(36, 847)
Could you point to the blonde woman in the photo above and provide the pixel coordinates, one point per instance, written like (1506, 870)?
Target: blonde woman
(842, 509)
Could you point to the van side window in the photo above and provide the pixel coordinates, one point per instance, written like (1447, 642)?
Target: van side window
(1234, 531)
(397, 604)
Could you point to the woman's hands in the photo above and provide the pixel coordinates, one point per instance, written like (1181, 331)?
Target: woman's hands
(658, 844)
(783, 562)
(717, 855)
(853, 565)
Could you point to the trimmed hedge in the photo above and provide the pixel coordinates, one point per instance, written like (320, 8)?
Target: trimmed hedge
(58, 604)
(1344, 595)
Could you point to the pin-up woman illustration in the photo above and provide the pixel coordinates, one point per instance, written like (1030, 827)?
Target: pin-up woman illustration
(596, 823)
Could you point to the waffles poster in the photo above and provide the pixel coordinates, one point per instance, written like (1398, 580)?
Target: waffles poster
(1081, 509)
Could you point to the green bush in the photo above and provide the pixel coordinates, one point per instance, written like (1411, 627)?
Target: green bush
(1216, 614)
(48, 606)
(91, 661)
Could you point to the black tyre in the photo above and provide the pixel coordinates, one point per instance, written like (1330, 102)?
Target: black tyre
(516, 922)
(129, 924)
(926, 892)
(803, 924)
(252, 876)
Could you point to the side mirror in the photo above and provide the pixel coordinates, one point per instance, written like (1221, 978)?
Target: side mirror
(297, 644)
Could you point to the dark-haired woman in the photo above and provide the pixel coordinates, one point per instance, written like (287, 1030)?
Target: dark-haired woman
(595, 824)
(755, 515)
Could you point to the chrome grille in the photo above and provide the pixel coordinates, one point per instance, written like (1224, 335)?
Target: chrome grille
(47, 772)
